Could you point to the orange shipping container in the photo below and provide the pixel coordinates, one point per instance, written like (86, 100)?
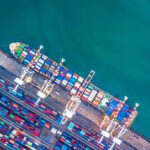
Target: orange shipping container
(15, 105)
(95, 102)
(100, 95)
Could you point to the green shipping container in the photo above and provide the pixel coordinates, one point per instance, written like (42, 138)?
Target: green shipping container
(21, 46)
(90, 87)
(28, 145)
(12, 116)
(1, 122)
(21, 58)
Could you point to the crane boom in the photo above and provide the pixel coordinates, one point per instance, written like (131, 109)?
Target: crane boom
(106, 133)
(116, 139)
(75, 101)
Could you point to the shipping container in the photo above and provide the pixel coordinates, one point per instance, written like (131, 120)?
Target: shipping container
(103, 104)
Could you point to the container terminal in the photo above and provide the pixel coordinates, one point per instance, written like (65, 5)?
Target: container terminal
(44, 105)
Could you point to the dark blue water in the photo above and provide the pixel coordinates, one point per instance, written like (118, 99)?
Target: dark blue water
(112, 37)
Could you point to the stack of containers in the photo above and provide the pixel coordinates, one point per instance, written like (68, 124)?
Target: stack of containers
(29, 100)
(14, 138)
(66, 78)
(37, 65)
(77, 85)
(40, 63)
(123, 114)
(52, 68)
(87, 135)
(93, 92)
(29, 122)
(104, 102)
(67, 142)
(61, 75)
(44, 123)
(46, 66)
(87, 92)
(22, 55)
(98, 98)
(71, 82)
(19, 50)
(28, 58)
(112, 106)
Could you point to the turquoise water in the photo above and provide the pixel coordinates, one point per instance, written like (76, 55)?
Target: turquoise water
(112, 37)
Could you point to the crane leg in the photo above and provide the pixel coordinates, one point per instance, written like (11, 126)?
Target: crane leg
(37, 102)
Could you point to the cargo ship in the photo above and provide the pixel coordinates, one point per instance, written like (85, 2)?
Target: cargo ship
(70, 81)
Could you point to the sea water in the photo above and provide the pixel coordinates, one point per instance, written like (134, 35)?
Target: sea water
(110, 36)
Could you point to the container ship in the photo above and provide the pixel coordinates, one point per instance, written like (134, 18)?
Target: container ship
(70, 81)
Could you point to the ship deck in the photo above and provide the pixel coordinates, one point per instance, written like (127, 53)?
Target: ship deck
(94, 117)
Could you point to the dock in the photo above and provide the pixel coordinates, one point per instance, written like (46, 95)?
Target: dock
(95, 117)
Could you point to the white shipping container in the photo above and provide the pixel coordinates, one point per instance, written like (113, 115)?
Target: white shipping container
(32, 52)
(92, 95)
(77, 84)
(80, 79)
(44, 57)
(104, 102)
(32, 148)
(89, 91)
(41, 61)
(12, 136)
(90, 99)
(73, 91)
(64, 82)
(24, 138)
(39, 64)
(1, 135)
(57, 81)
(14, 132)
(25, 53)
(38, 67)
(27, 61)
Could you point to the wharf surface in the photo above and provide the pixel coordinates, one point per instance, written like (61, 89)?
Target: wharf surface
(93, 115)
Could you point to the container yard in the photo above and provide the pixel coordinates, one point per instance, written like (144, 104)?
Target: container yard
(19, 113)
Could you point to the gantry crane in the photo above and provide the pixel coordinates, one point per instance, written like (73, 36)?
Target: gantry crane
(26, 71)
(112, 122)
(47, 87)
(75, 101)
(116, 139)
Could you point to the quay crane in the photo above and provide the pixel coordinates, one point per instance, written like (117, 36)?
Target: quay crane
(112, 123)
(75, 101)
(116, 139)
(47, 87)
(26, 74)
